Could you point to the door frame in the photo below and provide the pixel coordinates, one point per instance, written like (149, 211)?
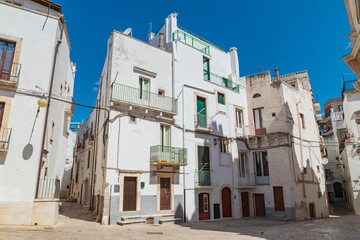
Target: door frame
(165, 175)
(231, 200)
(121, 193)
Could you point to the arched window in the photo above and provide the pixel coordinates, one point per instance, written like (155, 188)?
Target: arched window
(256, 95)
(338, 190)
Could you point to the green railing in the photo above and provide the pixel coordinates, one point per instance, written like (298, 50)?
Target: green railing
(204, 177)
(122, 93)
(212, 77)
(191, 40)
(168, 155)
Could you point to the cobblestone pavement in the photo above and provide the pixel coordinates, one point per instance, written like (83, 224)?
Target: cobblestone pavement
(75, 223)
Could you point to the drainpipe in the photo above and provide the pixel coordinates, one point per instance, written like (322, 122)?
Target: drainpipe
(183, 142)
(301, 149)
(59, 41)
(94, 157)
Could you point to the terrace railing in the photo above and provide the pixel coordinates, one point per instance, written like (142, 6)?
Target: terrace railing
(130, 95)
(168, 155)
(10, 73)
(212, 77)
(191, 40)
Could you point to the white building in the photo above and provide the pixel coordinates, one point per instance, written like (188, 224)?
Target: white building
(175, 136)
(35, 63)
(69, 162)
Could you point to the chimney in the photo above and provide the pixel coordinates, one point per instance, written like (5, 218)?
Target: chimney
(161, 41)
(276, 72)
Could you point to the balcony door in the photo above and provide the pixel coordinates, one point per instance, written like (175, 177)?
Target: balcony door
(144, 88)
(6, 58)
(203, 166)
(165, 141)
(259, 120)
(201, 112)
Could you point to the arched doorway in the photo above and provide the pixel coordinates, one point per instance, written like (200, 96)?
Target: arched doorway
(204, 209)
(226, 202)
(338, 190)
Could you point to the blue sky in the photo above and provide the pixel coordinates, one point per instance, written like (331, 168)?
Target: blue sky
(294, 35)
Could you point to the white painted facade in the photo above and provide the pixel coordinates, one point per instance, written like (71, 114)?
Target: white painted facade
(35, 35)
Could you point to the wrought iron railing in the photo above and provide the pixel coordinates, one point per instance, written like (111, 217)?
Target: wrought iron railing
(191, 40)
(204, 177)
(11, 73)
(202, 121)
(212, 77)
(69, 107)
(5, 135)
(122, 93)
(48, 188)
(165, 154)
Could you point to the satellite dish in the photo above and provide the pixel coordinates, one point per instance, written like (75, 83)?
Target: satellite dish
(127, 31)
(325, 161)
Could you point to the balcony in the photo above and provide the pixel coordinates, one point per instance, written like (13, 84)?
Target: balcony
(204, 178)
(9, 76)
(134, 96)
(165, 155)
(190, 40)
(202, 123)
(262, 180)
(224, 82)
(5, 134)
(247, 182)
(69, 107)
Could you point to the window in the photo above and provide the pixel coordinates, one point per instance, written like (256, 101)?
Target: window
(239, 118)
(206, 67)
(52, 132)
(144, 89)
(340, 107)
(132, 119)
(201, 115)
(164, 137)
(7, 50)
(161, 93)
(221, 98)
(261, 164)
(242, 165)
(223, 147)
(302, 120)
(256, 95)
(88, 160)
(259, 119)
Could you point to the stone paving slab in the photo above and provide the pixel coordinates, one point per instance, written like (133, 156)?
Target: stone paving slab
(75, 223)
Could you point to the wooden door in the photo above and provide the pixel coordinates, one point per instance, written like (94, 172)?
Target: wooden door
(245, 204)
(165, 194)
(129, 202)
(312, 210)
(260, 205)
(204, 209)
(279, 199)
(226, 202)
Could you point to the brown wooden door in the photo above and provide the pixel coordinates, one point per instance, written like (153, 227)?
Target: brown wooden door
(129, 203)
(260, 205)
(165, 194)
(245, 204)
(204, 209)
(226, 202)
(279, 199)
(312, 210)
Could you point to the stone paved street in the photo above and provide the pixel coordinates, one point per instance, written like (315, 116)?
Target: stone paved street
(75, 223)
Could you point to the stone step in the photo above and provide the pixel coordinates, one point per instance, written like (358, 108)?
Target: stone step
(124, 218)
(161, 221)
(121, 223)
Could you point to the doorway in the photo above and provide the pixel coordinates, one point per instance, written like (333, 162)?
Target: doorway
(204, 210)
(226, 202)
(279, 199)
(245, 204)
(165, 194)
(312, 210)
(260, 205)
(129, 201)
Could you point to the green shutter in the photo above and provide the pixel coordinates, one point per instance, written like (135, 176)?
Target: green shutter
(201, 112)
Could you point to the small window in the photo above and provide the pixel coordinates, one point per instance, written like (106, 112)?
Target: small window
(132, 119)
(261, 164)
(239, 118)
(256, 95)
(89, 157)
(302, 120)
(293, 85)
(52, 132)
(242, 165)
(223, 146)
(221, 98)
(206, 68)
(161, 93)
(61, 89)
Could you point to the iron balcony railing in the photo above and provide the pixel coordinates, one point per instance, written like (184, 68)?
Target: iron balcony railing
(126, 94)
(204, 177)
(5, 135)
(191, 40)
(10, 73)
(168, 155)
(49, 189)
(202, 121)
(212, 77)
